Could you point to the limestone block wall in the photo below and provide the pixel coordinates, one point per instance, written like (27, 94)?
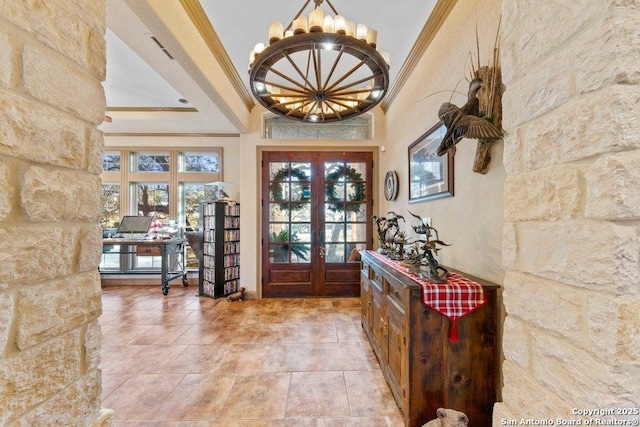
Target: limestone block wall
(571, 243)
(52, 63)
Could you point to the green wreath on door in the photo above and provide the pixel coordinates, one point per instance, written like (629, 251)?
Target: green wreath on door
(336, 204)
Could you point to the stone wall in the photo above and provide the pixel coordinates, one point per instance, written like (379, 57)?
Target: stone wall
(572, 203)
(52, 63)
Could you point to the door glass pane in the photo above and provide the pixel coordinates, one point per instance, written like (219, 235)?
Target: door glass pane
(334, 233)
(333, 212)
(285, 246)
(300, 212)
(300, 172)
(334, 171)
(356, 232)
(279, 242)
(356, 192)
(276, 213)
(357, 212)
(357, 171)
(279, 192)
(278, 253)
(301, 232)
(334, 192)
(275, 171)
(335, 252)
(278, 232)
(354, 251)
(300, 192)
(300, 252)
(285, 171)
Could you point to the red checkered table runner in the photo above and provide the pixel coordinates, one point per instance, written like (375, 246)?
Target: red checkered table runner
(454, 299)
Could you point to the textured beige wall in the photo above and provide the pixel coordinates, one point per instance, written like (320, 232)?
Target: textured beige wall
(52, 62)
(571, 236)
(472, 220)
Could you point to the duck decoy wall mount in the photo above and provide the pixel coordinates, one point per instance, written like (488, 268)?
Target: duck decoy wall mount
(479, 118)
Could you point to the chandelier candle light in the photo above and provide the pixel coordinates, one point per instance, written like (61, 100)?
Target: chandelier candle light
(320, 68)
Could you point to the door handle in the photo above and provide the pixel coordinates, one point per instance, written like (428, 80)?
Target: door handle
(321, 248)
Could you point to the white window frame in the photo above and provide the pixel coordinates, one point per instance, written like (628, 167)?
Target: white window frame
(125, 177)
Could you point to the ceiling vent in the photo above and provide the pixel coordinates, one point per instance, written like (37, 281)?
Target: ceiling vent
(166, 52)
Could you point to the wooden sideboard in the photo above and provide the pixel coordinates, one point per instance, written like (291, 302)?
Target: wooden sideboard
(423, 368)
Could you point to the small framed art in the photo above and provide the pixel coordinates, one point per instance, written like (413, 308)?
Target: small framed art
(430, 176)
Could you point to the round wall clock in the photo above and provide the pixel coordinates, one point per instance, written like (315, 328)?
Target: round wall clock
(391, 185)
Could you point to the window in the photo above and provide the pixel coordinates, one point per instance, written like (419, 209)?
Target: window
(150, 162)
(110, 206)
(152, 200)
(111, 162)
(191, 196)
(167, 183)
(276, 127)
(199, 162)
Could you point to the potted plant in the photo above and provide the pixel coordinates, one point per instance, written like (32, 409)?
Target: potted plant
(279, 252)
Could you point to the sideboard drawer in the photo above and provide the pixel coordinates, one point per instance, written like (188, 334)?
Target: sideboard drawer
(395, 291)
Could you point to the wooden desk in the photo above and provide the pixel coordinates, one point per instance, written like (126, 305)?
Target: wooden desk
(171, 251)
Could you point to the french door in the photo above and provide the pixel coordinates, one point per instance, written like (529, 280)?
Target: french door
(316, 211)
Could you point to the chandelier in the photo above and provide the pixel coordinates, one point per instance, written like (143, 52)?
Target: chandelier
(321, 69)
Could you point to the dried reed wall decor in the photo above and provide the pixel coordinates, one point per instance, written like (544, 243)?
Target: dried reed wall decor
(490, 97)
(480, 117)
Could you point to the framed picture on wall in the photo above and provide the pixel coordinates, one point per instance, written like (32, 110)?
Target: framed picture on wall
(430, 176)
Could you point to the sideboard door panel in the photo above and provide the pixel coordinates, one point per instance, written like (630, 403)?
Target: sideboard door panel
(397, 356)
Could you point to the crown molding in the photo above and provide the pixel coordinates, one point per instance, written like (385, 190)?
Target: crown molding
(200, 20)
(428, 33)
(175, 134)
(153, 109)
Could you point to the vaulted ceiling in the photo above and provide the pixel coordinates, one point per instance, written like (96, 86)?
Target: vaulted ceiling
(180, 66)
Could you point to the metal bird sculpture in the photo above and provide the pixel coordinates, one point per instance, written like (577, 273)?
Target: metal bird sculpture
(381, 228)
(393, 224)
(465, 121)
(424, 250)
(394, 238)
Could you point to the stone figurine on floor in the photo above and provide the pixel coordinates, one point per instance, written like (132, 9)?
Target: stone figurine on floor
(448, 418)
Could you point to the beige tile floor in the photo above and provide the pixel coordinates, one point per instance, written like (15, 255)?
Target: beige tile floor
(183, 360)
